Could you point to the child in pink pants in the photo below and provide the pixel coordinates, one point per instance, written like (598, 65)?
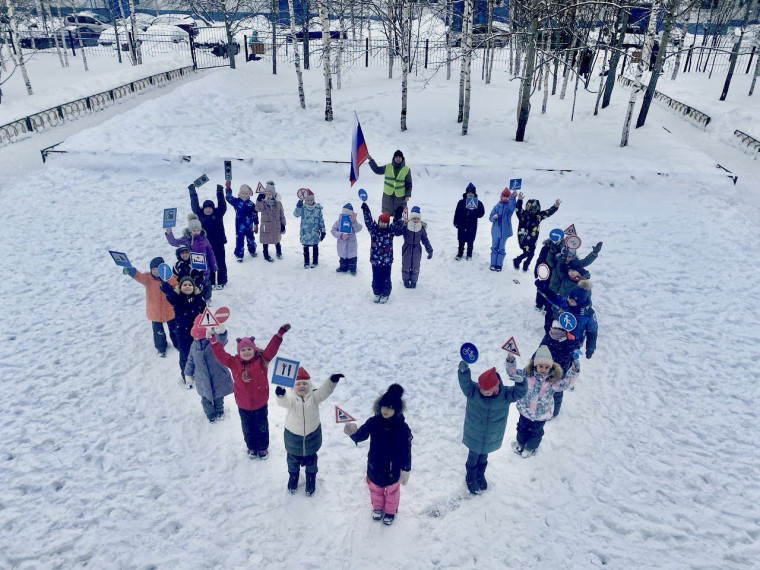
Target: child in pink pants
(389, 460)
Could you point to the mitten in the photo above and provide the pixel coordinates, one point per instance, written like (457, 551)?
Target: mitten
(577, 355)
(597, 248)
(404, 479)
(299, 204)
(219, 187)
(322, 235)
(430, 255)
(191, 187)
(350, 429)
(219, 329)
(125, 270)
(364, 206)
(189, 380)
(283, 329)
(463, 366)
(279, 391)
(336, 377)
(282, 228)
(260, 198)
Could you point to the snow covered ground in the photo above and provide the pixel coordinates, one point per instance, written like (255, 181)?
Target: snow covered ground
(107, 462)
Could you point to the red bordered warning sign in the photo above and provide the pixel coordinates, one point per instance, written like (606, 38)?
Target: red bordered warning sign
(208, 319)
(511, 346)
(341, 417)
(570, 230)
(259, 188)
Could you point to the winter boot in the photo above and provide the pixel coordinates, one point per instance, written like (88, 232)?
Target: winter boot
(239, 259)
(292, 482)
(493, 268)
(306, 263)
(315, 258)
(377, 514)
(516, 262)
(377, 299)
(517, 448)
(278, 250)
(526, 265)
(480, 473)
(352, 265)
(343, 265)
(311, 484)
(472, 483)
(388, 519)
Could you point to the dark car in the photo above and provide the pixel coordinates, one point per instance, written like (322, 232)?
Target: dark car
(317, 35)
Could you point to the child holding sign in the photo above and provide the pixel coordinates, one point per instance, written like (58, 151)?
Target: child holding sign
(303, 429)
(251, 387)
(501, 227)
(246, 220)
(529, 227)
(543, 378)
(194, 237)
(212, 381)
(382, 233)
(157, 308)
(188, 303)
(345, 229)
(485, 420)
(469, 210)
(390, 452)
(312, 226)
(211, 217)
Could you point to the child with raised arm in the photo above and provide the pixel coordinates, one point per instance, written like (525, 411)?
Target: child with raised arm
(312, 227)
(389, 460)
(303, 429)
(246, 220)
(382, 233)
(529, 227)
(211, 217)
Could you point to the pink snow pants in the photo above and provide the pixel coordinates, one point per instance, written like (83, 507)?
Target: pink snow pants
(385, 499)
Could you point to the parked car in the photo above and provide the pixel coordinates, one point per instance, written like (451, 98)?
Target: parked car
(182, 21)
(108, 37)
(315, 35)
(86, 22)
(143, 20)
(167, 33)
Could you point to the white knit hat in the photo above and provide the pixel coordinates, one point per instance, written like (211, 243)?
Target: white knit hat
(543, 356)
(193, 223)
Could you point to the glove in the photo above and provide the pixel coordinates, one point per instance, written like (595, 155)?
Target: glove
(299, 204)
(463, 367)
(279, 391)
(430, 256)
(260, 198)
(404, 479)
(349, 429)
(282, 228)
(191, 187)
(336, 377)
(322, 235)
(597, 248)
(219, 329)
(189, 380)
(364, 206)
(589, 353)
(576, 356)
(283, 329)
(125, 270)
(219, 188)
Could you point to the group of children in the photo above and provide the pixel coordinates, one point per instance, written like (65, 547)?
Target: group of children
(215, 373)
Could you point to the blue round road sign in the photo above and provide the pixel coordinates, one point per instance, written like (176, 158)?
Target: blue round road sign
(556, 235)
(363, 194)
(468, 352)
(164, 272)
(568, 321)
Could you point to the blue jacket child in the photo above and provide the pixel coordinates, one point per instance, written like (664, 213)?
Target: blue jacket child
(578, 303)
(246, 220)
(501, 227)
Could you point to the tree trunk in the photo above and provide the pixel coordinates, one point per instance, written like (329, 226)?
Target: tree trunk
(601, 83)
(449, 21)
(17, 47)
(305, 30)
(489, 43)
(754, 78)
(274, 15)
(230, 39)
(61, 51)
(341, 32)
(615, 57)
(326, 58)
(568, 66)
(136, 31)
(82, 50)
(530, 61)
(296, 55)
(670, 14)
(632, 103)
(546, 74)
(749, 10)
(651, 33)
(406, 41)
(683, 41)
(464, 75)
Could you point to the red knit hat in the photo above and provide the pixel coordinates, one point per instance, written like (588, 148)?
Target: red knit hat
(488, 380)
(246, 341)
(198, 332)
(302, 374)
(506, 193)
(384, 218)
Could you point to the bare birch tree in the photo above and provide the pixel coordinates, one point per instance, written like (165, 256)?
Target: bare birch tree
(323, 17)
(464, 72)
(19, 57)
(296, 54)
(750, 8)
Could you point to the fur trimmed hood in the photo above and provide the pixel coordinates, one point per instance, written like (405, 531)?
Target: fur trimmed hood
(556, 372)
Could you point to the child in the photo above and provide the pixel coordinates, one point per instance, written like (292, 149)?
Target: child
(389, 460)
(184, 267)
(312, 227)
(466, 220)
(411, 252)
(188, 303)
(212, 380)
(194, 237)
(157, 308)
(529, 227)
(381, 250)
(212, 221)
(485, 420)
(549, 255)
(578, 303)
(272, 220)
(543, 377)
(251, 387)
(560, 343)
(303, 430)
(347, 247)
(501, 228)
(246, 220)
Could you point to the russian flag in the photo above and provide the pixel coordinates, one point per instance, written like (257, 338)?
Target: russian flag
(359, 152)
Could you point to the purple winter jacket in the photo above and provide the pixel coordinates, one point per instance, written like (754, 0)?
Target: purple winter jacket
(347, 248)
(197, 244)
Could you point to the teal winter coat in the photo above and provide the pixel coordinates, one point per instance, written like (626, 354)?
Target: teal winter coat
(312, 222)
(486, 418)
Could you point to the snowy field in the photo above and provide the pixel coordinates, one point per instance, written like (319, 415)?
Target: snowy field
(108, 463)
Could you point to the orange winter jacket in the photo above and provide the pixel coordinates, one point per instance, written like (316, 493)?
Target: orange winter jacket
(157, 308)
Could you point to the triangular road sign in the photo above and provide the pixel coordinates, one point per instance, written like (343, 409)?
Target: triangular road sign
(570, 230)
(342, 417)
(208, 319)
(511, 346)
(259, 188)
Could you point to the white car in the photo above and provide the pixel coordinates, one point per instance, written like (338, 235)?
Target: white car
(108, 37)
(87, 22)
(166, 33)
(182, 21)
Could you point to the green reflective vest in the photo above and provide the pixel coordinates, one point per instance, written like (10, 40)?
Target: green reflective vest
(394, 185)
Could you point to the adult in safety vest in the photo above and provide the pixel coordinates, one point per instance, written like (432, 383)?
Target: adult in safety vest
(397, 188)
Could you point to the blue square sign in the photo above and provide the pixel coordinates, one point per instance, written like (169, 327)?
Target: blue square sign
(346, 226)
(515, 183)
(285, 371)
